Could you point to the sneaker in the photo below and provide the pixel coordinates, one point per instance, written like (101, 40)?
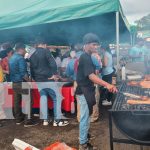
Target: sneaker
(36, 115)
(60, 123)
(106, 103)
(19, 121)
(86, 146)
(45, 123)
(30, 123)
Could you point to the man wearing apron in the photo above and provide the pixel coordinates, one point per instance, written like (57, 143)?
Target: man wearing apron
(85, 90)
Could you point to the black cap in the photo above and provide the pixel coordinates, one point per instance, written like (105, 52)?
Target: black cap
(40, 40)
(90, 38)
(20, 46)
(9, 49)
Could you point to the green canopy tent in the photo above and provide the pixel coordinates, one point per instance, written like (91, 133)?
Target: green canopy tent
(62, 22)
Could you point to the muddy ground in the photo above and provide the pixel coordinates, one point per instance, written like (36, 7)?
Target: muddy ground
(41, 136)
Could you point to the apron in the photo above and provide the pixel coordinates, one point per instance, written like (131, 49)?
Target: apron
(89, 94)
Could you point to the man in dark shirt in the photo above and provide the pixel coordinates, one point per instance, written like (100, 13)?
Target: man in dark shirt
(44, 72)
(85, 90)
(18, 75)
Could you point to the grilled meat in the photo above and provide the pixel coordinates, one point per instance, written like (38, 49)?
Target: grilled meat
(135, 102)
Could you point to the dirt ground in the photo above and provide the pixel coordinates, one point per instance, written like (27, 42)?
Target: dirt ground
(41, 136)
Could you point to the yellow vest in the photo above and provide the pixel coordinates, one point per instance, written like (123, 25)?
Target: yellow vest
(1, 75)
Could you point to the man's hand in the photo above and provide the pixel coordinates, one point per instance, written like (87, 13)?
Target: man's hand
(111, 88)
(54, 77)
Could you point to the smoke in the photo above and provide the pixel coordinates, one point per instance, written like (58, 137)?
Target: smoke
(68, 32)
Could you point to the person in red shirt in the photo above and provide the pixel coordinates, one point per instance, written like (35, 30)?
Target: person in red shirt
(2, 113)
(5, 65)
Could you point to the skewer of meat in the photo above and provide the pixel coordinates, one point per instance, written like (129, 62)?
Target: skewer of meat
(135, 96)
(145, 84)
(134, 102)
(147, 78)
(133, 83)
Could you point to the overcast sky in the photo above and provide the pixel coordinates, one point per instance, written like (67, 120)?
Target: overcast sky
(135, 9)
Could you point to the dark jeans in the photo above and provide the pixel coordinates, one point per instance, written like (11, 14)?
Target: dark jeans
(7, 77)
(105, 94)
(17, 110)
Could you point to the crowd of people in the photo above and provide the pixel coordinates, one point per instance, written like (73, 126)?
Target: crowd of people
(140, 53)
(89, 66)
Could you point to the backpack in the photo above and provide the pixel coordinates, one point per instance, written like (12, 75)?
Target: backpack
(76, 65)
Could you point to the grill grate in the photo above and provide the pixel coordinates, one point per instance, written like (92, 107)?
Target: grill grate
(120, 103)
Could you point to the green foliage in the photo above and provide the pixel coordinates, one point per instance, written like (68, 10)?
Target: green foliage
(143, 23)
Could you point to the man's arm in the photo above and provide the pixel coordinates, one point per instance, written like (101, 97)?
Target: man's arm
(23, 69)
(99, 81)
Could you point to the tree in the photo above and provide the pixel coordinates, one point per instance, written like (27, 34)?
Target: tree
(143, 23)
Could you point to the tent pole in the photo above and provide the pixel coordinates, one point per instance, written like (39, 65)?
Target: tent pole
(117, 40)
(131, 36)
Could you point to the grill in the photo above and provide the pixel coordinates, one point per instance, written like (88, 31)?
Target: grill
(120, 103)
(132, 120)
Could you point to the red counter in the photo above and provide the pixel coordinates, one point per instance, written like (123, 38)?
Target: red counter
(66, 102)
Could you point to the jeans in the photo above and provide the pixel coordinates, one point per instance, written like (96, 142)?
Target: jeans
(95, 114)
(84, 124)
(19, 91)
(49, 89)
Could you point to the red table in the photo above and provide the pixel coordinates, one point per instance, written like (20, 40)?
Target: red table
(66, 102)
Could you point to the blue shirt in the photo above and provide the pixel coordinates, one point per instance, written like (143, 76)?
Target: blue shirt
(17, 68)
(109, 68)
(70, 67)
(96, 63)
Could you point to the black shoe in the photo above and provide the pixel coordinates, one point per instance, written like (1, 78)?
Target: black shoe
(30, 123)
(86, 146)
(19, 121)
(90, 137)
